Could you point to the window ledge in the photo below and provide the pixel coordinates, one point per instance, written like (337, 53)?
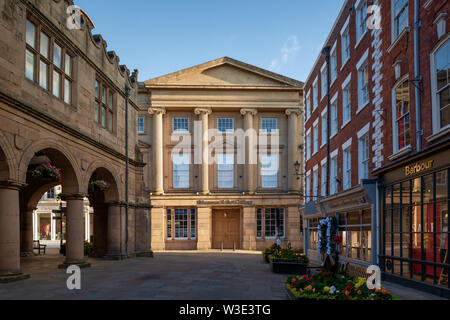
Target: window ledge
(345, 63)
(400, 153)
(361, 38)
(361, 108)
(345, 124)
(398, 39)
(441, 133)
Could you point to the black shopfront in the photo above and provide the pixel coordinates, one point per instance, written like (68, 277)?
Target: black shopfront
(414, 236)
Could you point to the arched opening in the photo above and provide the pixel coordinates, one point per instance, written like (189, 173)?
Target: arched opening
(102, 194)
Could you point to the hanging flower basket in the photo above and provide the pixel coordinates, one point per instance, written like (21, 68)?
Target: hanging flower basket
(100, 185)
(47, 171)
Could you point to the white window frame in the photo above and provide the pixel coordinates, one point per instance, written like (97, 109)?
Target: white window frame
(308, 144)
(273, 168)
(334, 116)
(333, 64)
(227, 160)
(315, 94)
(272, 131)
(282, 212)
(324, 126)
(395, 137)
(316, 137)
(141, 125)
(394, 32)
(323, 177)
(346, 86)
(334, 172)
(227, 130)
(436, 111)
(361, 9)
(363, 134)
(178, 130)
(345, 33)
(174, 229)
(180, 160)
(323, 80)
(347, 161)
(362, 64)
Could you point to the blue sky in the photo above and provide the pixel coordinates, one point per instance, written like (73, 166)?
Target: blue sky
(162, 36)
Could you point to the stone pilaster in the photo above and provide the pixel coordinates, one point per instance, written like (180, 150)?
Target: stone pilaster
(293, 149)
(158, 229)
(251, 159)
(115, 237)
(27, 232)
(293, 227)
(204, 220)
(249, 228)
(158, 155)
(204, 113)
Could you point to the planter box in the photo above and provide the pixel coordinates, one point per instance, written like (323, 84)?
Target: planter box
(291, 268)
(266, 257)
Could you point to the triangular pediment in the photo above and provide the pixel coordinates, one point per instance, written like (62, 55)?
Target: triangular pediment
(224, 72)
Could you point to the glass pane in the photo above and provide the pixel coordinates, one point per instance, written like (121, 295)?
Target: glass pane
(110, 100)
(57, 54)
(31, 34)
(103, 117)
(96, 111)
(43, 75)
(110, 121)
(56, 84)
(45, 45)
(104, 94)
(193, 224)
(67, 91)
(29, 65)
(169, 224)
(444, 103)
(97, 89)
(68, 67)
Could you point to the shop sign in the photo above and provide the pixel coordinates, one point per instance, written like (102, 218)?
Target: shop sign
(418, 167)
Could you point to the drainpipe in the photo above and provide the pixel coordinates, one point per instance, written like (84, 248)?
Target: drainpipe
(326, 52)
(417, 76)
(127, 98)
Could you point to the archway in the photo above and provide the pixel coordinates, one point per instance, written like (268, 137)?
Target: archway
(103, 194)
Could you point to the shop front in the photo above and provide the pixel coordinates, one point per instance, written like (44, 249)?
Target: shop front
(356, 213)
(414, 233)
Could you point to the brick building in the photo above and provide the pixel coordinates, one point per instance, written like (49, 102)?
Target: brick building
(63, 101)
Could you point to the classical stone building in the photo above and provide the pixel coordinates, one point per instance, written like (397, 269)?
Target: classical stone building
(63, 100)
(215, 182)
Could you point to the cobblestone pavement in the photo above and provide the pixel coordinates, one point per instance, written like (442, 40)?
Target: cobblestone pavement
(168, 276)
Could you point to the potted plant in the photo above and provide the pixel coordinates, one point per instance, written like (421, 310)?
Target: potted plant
(47, 171)
(99, 185)
(289, 261)
(269, 251)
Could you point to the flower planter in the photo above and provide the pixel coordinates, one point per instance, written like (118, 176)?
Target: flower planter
(266, 257)
(288, 267)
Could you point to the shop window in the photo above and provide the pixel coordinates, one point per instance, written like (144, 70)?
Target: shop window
(271, 221)
(181, 224)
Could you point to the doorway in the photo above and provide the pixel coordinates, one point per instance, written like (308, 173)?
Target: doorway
(226, 228)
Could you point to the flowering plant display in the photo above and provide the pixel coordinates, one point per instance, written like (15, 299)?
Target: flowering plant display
(328, 229)
(289, 255)
(334, 286)
(47, 170)
(100, 185)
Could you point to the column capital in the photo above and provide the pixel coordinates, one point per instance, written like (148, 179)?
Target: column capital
(251, 111)
(206, 110)
(298, 112)
(10, 184)
(157, 110)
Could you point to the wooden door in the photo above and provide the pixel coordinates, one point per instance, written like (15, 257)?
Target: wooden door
(226, 229)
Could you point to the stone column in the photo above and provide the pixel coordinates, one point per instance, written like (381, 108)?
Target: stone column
(10, 233)
(75, 232)
(251, 159)
(249, 228)
(157, 228)
(115, 232)
(205, 112)
(158, 156)
(204, 227)
(27, 230)
(292, 224)
(293, 147)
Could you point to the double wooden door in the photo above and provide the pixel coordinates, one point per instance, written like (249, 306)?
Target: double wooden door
(226, 229)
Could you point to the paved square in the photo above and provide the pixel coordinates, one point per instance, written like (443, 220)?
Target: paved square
(168, 276)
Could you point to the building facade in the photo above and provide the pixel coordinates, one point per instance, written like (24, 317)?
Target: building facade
(223, 139)
(340, 138)
(413, 163)
(63, 100)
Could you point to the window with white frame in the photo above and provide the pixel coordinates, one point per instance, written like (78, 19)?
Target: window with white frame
(308, 145)
(225, 125)
(347, 174)
(180, 125)
(334, 118)
(361, 19)
(363, 161)
(225, 171)
(181, 164)
(323, 178)
(345, 44)
(399, 17)
(324, 127)
(269, 171)
(269, 125)
(333, 65)
(363, 85)
(401, 116)
(193, 224)
(270, 223)
(324, 79)
(346, 105)
(316, 138)
(181, 224)
(334, 175)
(308, 188)
(315, 95)
(440, 74)
(316, 183)
(141, 125)
(308, 105)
